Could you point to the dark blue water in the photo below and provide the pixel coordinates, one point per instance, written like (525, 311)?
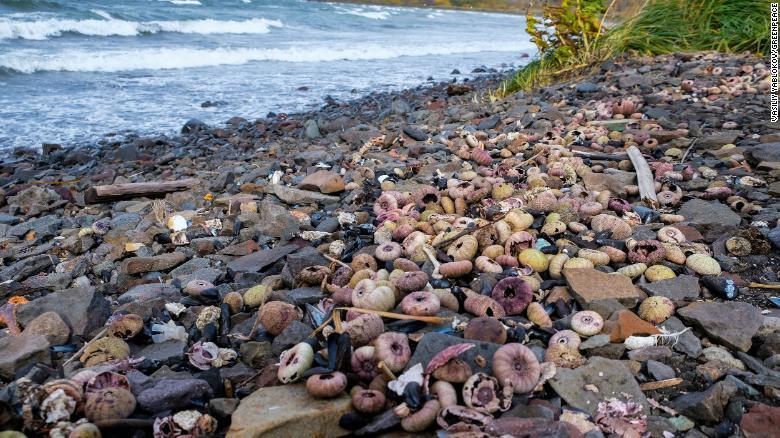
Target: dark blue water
(73, 70)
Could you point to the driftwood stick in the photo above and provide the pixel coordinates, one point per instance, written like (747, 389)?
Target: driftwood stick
(600, 156)
(113, 192)
(644, 175)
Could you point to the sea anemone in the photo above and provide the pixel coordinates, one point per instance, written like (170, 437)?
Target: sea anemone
(368, 295)
(445, 393)
(517, 364)
(388, 251)
(587, 323)
(513, 294)
(506, 260)
(125, 326)
(385, 203)
(427, 195)
(619, 205)
(313, 275)
(326, 385)
(485, 329)
(393, 349)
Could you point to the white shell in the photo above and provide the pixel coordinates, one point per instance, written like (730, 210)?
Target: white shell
(177, 223)
(637, 342)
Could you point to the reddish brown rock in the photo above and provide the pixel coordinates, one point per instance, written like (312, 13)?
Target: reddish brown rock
(589, 285)
(324, 181)
(162, 262)
(761, 421)
(626, 324)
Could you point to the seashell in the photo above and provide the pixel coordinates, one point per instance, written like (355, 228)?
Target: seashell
(447, 299)
(587, 323)
(656, 309)
(420, 303)
(388, 251)
(313, 275)
(364, 329)
(674, 254)
(544, 201)
(326, 385)
(427, 195)
(368, 295)
(633, 271)
(277, 315)
(176, 223)
(235, 302)
(481, 305)
(392, 348)
(104, 350)
(538, 316)
(578, 263)
(658, 272)
(484, 264)
(739, 246)
(534, 259)
(703, 264)
(592, 208)
(294, 362)
(647, 251)
(517, 242)
(411, 281)
(465, 248)
(507, 261)
(207, 315)
(618, 228)
(553, 228)
(405, 265)
(493, 251)
(256, 295)
(615, 255)
(597, 257)
(109, 404)
(671, 235)
(447, 204)
(564, 356)
(485, 329)
(481, 157)
(125, 326)
(671, 218)
(71, 389)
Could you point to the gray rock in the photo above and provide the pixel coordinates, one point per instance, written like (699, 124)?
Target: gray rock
(169, 394)
(587, 87)
(20, 351)
(292, 196)
(256, 261)
(611, 377)
(706, 406)
(293, 334)
(765, 152)
(686, 343)
(701, 212)
(305, 257)
(166, 353)
(223, 407)
(190, 266)
(257, 354)
(276, 221)
(660, 371)
(731, 323)
(311, 130)
(594, 342)
(432, 343)
(650, 353)
(84, 309)
(51, 325)
(46, 226)
(146, 292)
(28, 267)
(415, 133)
(680, 288)
(718, 139)
(193, 126)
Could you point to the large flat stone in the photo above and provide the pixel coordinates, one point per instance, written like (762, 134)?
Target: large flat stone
(291, 195)
(84, 309)
(20, 351)
(611, 377)
(732, 324)
(288, 411)
(589, 285)
(701, 212)
(764, 152)
(684, 287)
(256, 261)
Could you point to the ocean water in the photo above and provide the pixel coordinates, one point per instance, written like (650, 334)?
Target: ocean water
(72, 71)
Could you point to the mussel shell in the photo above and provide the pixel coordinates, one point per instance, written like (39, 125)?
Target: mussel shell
(412, 395)
(721, 287)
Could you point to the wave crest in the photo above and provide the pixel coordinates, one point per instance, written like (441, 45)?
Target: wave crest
(43, 29)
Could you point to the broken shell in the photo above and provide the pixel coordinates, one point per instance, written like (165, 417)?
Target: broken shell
(465, 248)
(485, 264)
(538, 316)
(656, 309)
(109, 404)
(648, 252)
(313, 275)
(368, 295)
(739, 246)
(445, 393)
(106, 379)
(564, 356)
(587, 323)
(516, 364)
(671, 235)
(294, 362)
(104, 350)
(363, 261)
(277, 315)
(481, 305)
(176, 223)
(658, 272)
(327, 385)
(125, 326)
(703, 264)
(484, 394)
(195, 288)
(485, 329)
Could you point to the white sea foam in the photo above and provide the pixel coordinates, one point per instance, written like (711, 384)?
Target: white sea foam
(184, 2)
(43, 29)
(375, 14)
(27, 61)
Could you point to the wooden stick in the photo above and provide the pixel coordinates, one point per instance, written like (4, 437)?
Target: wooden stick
(644, 175)
(764, 286)
(428, 319)
(649, 386)
(338, 262)
(600, 156)
(113, 192)
(693, 143)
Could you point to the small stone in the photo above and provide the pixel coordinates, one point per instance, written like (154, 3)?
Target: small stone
(731, 323)
(293, 334)
(150, 291)
(311, 130)
(324, 181)
(718, 139)
(611, 377)
(223, 407)
(20, 351)
(169, 394)
(415, 133)
(50, 325)
(706, 406)
(163, 262)
(682, 423)
(257, 354)
(288, 411)
(255, 262)
(170, 352)
(594, 342)
(660, 371)
(721, 355)
(292, 196)
(590, 285)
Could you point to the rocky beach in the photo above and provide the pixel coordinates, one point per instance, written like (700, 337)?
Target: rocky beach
(594, 258)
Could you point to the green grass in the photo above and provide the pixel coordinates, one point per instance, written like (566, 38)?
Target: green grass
(661, 26)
